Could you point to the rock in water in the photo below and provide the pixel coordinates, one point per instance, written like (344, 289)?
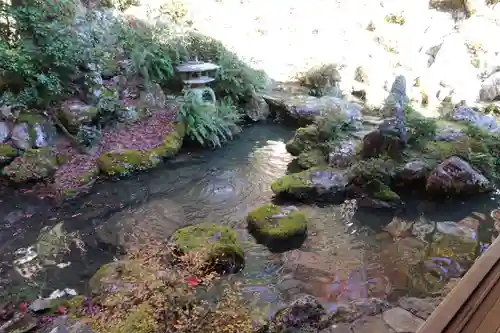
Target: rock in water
(279, 228)
(218, 243)
(304, 313)
(455, 176)
(316, 185)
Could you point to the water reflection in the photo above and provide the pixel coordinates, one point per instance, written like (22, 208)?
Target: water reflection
(349, 253)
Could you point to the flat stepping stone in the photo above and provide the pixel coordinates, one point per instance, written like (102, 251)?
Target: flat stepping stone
(371, 324)
(402, 321)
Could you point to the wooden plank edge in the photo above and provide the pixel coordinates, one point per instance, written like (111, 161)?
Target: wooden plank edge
(452, 303)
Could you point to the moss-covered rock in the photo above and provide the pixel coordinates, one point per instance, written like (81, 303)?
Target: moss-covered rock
(7, 153)
(413, 174)
(279, 228)
(218, 243)
(370, 180)
(317, 184)
(305, 138)
(456, 177)
(126, 161)
(117, 276)
(33, 165)
(311, 158)
(371, 169)
(74, 113)
(385, 193)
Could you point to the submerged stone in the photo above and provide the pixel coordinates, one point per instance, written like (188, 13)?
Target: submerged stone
(317, 185)
(279, 228)
(219, 245)
(304, 313)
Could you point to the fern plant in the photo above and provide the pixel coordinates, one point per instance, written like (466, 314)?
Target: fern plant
(152, 64)
(210, 125)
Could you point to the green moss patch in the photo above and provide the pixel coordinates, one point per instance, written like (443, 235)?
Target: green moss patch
(130, 160)
(7, 153)
(218, 243)
(315, 184)
(279, 228)
(34, 165)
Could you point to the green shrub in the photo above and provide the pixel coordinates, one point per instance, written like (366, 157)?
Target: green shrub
(235, 79)
(43, 55)
(119, 4)
(210, 125)
(319, 79)
(419, 127)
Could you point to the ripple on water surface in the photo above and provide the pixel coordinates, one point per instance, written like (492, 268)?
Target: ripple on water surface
(235, 180)
(339, 261)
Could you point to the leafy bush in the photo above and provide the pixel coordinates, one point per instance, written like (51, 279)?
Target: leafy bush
(210, 125)
(419, 127)
(319, 79)
(119, 4)
(235, 79)
(43, 55)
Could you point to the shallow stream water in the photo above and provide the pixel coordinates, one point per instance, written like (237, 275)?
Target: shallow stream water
(345, 256)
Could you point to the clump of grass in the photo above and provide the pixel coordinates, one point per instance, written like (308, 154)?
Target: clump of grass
(420, 128)
(319, 79)
(161, 290)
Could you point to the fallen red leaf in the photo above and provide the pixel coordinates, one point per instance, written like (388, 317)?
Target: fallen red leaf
(23, 307)
(193, 281)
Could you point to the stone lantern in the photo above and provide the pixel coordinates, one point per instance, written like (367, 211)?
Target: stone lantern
(195, 75)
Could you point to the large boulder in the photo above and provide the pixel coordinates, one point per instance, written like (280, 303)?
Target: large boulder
(257, 108)
(279, 228)
(369, 181)
(33, 165)
(412, 174)
(218, 244)
(75, 113)
(486, 122)
(454, 176)
(314, 184)
(303, 109)
(21, 137)
(386, 140)
(343, 154)
(304, 139)
(32, 131)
